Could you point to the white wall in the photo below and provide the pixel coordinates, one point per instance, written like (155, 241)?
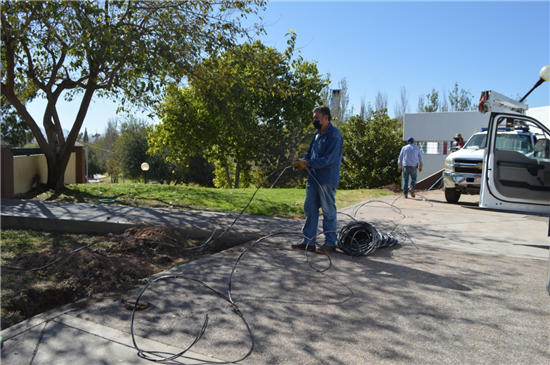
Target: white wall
(27, 168)
(432, 164)
(443, 126)
(542, 114)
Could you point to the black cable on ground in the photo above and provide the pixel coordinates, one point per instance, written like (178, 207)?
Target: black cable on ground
(362, 239)
(161, 356)
(258, 241)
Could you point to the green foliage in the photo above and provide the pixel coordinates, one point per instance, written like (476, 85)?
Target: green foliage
(199, 171)
(131, 150)
(105, 147)
(458, 100)
(94, 160)
(371, 149)
(14, 129)
(131, 147)
(432, 105)
(172, 141)
(242, 106)
(125, 50)
(96, 165)
(462, 100)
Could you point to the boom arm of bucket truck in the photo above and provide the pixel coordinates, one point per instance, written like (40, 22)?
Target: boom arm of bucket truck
(491, 101)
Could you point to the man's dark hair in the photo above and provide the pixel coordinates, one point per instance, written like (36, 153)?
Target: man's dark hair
(323, 109)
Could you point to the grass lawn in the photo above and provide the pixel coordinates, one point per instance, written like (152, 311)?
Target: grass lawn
(266, 202)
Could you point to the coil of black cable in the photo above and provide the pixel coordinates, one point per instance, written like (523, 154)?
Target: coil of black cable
(362, 239)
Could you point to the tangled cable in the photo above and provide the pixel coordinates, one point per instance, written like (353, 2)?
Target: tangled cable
(362, 239)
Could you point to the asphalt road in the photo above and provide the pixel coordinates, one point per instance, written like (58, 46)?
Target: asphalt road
(463, 286)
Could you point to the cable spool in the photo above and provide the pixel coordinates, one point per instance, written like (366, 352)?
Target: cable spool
(362, 239)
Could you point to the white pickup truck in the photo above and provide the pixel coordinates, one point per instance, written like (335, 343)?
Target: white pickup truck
(508, 164)
(463, 168)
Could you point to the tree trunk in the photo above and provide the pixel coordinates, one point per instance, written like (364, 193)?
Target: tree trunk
(227, 176)
(237, 175)
(58, 152)
(56, 170)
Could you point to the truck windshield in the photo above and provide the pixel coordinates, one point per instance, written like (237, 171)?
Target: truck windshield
(514, 142)
(505, 141)
(478, 141)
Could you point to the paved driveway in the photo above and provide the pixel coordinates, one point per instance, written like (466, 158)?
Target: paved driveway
(465, 286)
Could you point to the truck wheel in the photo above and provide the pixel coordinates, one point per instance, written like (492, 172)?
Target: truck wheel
(452, 195)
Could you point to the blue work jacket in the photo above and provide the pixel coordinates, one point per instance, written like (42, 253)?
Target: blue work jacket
(324, 157)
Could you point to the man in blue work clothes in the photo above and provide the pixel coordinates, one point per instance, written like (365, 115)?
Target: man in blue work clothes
(322, 162)
(410, 162)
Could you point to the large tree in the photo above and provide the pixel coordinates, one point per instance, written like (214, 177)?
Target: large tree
(253, 98)
(126, 49)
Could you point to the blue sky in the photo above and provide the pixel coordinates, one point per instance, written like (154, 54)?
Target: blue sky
(419, 46)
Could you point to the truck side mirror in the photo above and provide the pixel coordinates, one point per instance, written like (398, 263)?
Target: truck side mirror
(542, 148)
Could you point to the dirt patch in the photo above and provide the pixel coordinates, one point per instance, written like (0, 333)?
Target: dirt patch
(34, 193)
(393, 188)
(108, 271)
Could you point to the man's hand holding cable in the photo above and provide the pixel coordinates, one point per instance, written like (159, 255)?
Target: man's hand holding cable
(420, 168)
(399, 169)
(302, 164)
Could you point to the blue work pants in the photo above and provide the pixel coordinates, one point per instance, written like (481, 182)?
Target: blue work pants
(320, 196)
(409, 171)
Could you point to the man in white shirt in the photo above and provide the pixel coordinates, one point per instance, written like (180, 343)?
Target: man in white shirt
(409, 162)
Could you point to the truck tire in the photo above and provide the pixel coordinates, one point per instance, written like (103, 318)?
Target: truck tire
(452, 195)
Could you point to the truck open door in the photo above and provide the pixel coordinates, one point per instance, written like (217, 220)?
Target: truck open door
(513, 177)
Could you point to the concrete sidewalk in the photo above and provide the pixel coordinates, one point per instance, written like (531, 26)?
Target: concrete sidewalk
(465, 286)
(106, 218)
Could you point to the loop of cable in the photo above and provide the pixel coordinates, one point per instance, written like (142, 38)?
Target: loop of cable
(362, 239)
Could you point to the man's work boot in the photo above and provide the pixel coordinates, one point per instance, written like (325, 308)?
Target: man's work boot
(412, 192)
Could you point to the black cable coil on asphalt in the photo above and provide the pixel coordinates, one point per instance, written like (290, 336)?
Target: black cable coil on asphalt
(362, 239)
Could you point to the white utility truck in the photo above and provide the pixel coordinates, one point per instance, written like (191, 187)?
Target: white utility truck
(514, 177)
(521, 176)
